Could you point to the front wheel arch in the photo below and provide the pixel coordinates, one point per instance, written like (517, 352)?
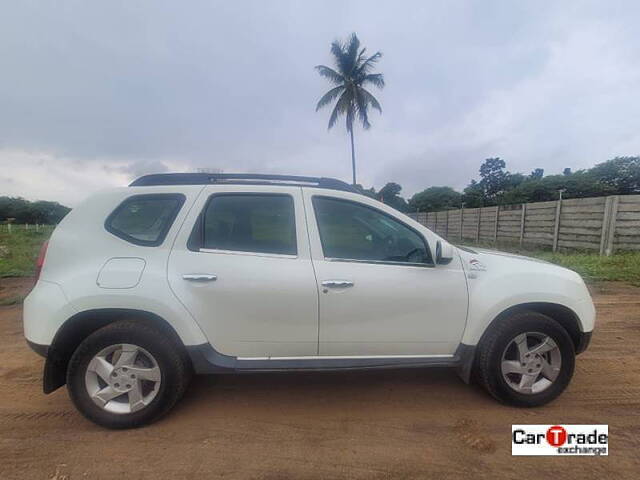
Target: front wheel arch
(488, 355)
(562, 314)
(566, 317)
(80, 326)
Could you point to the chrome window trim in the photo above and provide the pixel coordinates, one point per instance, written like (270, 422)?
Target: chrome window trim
(252, 254)
(380, 262)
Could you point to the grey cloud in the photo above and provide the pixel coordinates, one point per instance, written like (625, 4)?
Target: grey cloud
(155, 85)
(140, 167)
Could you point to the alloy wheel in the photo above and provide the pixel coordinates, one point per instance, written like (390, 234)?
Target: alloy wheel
(531, 362)
(123, 378)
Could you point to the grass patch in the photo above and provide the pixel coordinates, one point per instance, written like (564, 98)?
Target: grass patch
(622, 266)
(13, 300)
(19, 250)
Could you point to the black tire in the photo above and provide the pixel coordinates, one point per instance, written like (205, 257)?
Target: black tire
(174, 367)
(487, 366)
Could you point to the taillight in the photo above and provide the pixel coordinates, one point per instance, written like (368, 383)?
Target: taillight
(40, 260)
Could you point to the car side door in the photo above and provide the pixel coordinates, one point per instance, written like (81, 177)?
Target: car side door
(242, 267)
(380, 291)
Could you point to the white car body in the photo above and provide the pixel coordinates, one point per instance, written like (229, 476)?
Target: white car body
(272, 311)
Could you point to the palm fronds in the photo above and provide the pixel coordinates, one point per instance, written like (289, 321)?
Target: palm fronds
(353, 70)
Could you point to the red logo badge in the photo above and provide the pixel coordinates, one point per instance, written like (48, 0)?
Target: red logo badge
(556, 436)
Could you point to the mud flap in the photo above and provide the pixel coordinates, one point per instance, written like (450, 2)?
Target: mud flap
(465, 355)
(55, 372)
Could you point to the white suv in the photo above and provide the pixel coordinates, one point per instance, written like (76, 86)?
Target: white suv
(211, 273)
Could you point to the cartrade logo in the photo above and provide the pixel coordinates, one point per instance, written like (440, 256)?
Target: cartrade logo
(560, 440)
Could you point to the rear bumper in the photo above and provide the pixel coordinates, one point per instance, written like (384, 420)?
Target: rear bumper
(583, 342)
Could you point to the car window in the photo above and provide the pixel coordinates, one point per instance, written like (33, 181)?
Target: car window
(353, 231)
(145, 219)
(250, 223)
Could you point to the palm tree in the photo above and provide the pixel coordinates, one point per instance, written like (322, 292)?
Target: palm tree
(351, 75)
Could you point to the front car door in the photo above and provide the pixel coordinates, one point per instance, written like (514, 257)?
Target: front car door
(380, 292)
(242, 267)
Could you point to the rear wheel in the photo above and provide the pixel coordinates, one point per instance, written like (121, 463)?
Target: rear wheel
(526, 359)
(126, 374)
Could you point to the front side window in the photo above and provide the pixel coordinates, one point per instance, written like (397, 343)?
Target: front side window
(258, 223)
(352, 231)
(145, 219)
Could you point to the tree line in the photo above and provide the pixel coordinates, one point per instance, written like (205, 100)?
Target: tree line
(495, 186)
(498, 186)
(19, 210)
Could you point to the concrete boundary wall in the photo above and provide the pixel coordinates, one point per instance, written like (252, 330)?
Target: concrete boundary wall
(601, 224)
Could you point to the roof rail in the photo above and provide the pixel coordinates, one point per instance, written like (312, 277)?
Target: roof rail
(240, 178)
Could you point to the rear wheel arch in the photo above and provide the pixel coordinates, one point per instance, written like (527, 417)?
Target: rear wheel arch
(78, 327)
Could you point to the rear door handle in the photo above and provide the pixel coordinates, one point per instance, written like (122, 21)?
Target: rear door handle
(199, 277)
(337, 283)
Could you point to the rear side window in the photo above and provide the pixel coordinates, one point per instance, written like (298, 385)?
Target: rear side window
(260, 223)
(145, 219)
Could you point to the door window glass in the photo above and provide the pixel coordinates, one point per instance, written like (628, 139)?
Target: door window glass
(250, 223)
(353, 231)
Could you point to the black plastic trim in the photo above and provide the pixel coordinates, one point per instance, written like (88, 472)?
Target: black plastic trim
(165, 229)
(55, 371)
(41, 350)
(467, 355)
(583, 342)
(206, 360)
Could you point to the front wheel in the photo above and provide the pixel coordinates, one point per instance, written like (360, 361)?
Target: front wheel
(526, 360)
(126, 374)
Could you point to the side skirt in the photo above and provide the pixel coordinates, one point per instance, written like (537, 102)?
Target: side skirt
(206, 360)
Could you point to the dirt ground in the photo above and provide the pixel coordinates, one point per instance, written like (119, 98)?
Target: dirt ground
(371, 425)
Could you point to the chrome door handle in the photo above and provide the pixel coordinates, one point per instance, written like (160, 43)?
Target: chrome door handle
(337, 283)
(199, 277)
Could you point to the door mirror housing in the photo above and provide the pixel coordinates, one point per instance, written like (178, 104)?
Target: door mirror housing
(444, 252)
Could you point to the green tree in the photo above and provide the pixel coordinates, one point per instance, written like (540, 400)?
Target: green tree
(390, 195)
(473, 195)
(24, 211)
(575, 185)
(621, 174)
(435, 198)
(494, 178)
(353, 71)
(369, 192)
(538, 173)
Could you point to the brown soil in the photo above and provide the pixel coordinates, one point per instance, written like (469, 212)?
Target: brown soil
(370, 425)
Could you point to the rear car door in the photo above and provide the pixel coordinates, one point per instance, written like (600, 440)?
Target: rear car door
(242, 266)
(380, 292)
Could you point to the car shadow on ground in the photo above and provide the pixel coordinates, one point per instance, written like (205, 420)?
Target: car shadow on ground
(316, 388)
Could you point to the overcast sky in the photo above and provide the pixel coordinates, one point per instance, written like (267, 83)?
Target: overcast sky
(93, 94)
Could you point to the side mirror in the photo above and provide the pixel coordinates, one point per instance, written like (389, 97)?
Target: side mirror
(444, 252)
